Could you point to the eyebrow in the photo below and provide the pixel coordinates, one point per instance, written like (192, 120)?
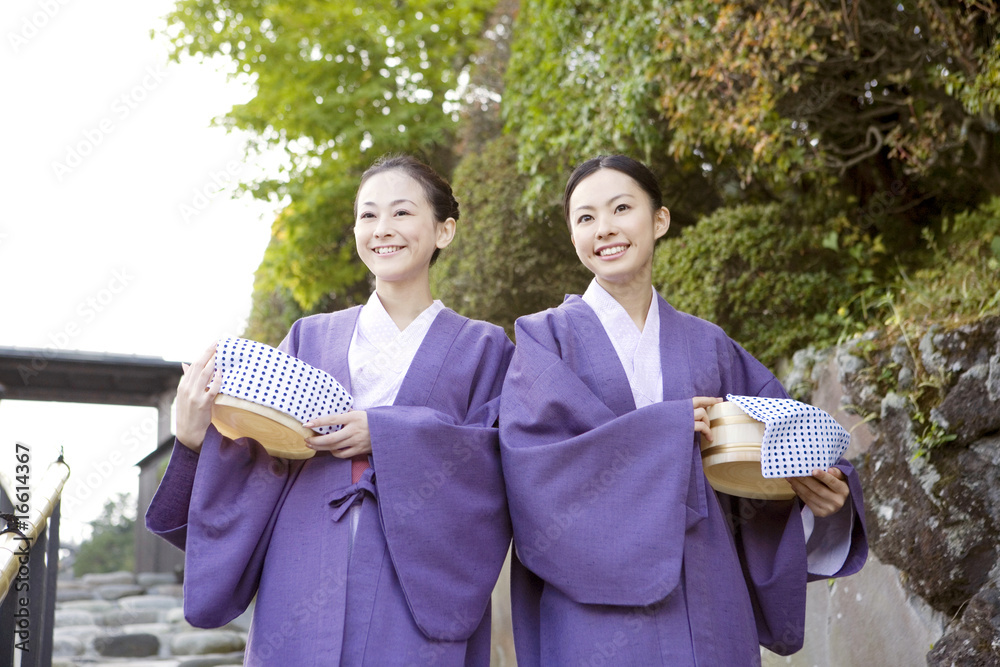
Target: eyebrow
(608, 203)
(393, 203)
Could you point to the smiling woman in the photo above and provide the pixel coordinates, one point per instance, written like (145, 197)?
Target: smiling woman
(404, 215)
(344, 551)
(628, 556)
(609, 219)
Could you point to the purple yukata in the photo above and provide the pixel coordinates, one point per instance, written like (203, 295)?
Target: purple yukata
(624, 553)
(413, 586)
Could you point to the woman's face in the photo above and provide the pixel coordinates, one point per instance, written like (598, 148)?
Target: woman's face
(395, 230)
(614, 227)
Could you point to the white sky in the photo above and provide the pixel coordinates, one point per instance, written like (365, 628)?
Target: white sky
(105, 243)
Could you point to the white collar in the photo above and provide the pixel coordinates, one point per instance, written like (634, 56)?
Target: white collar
(638, 351)
(380, 354)
(375, 324)
(613, 314)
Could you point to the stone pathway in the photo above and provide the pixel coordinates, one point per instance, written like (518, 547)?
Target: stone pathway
(125, 619)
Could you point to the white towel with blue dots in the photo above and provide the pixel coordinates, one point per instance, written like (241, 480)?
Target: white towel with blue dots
(798, 438)
(267, 376)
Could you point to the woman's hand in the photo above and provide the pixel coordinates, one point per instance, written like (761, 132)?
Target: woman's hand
(195, 398)
(825, 492)
(350, 441)
(701, 420)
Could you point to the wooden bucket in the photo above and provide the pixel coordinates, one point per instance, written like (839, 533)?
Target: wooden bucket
(281, 435)
(732, 460)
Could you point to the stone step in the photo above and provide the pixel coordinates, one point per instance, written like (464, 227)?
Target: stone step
(129, 620)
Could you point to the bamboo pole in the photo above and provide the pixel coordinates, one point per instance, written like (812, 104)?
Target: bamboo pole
(42, 501)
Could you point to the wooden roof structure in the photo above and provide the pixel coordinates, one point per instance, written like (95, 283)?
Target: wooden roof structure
(41, 374)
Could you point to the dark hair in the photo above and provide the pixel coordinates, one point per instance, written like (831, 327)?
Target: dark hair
(639, 173)
(436, 189)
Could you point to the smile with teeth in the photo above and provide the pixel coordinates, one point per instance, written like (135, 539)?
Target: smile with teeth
(613, 250)
(386, 249)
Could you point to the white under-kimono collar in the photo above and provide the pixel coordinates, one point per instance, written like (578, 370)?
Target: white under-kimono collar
(380, 354)
(638, 351)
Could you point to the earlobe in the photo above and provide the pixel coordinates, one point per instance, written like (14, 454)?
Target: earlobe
(445, 232)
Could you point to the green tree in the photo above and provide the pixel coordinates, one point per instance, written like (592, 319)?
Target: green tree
(763, 98)
(856, 96)
(111, 546)
(337, 85)
(581, 83)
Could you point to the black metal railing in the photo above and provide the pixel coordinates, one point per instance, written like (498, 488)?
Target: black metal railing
(29, 566)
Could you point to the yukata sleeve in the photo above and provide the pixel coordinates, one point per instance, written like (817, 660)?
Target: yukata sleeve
(167, 514)
(599, 503)
(441, 493)
(233, 502)
(238, 490)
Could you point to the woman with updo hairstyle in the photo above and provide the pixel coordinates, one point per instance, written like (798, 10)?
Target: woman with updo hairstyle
(623, 553)
(384, 548)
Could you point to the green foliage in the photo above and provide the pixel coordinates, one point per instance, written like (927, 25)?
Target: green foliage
(870, 123)
(823, 86)
(875, 125)
(959, 280)
(768, 100)
(337, 85)
(924, 390)
(954, 280)
(504, 262)
(271, 316)
(111, 546)
(722, 68)
(982, 95)
(933, 437)
(855, 98)
(578, 83)
(928, 393)
(761, 273)
(311, 253)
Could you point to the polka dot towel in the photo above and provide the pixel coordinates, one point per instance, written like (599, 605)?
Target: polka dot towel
(798, 438)
(266, 376)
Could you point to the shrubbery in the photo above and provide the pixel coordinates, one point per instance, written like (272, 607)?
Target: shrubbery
(960, 278)
(778, 279)
(759, 272)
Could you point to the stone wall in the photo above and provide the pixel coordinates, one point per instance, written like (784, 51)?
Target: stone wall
(128, 620)
(925, 419)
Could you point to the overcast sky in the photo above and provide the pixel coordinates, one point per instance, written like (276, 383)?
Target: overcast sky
(115, 235)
